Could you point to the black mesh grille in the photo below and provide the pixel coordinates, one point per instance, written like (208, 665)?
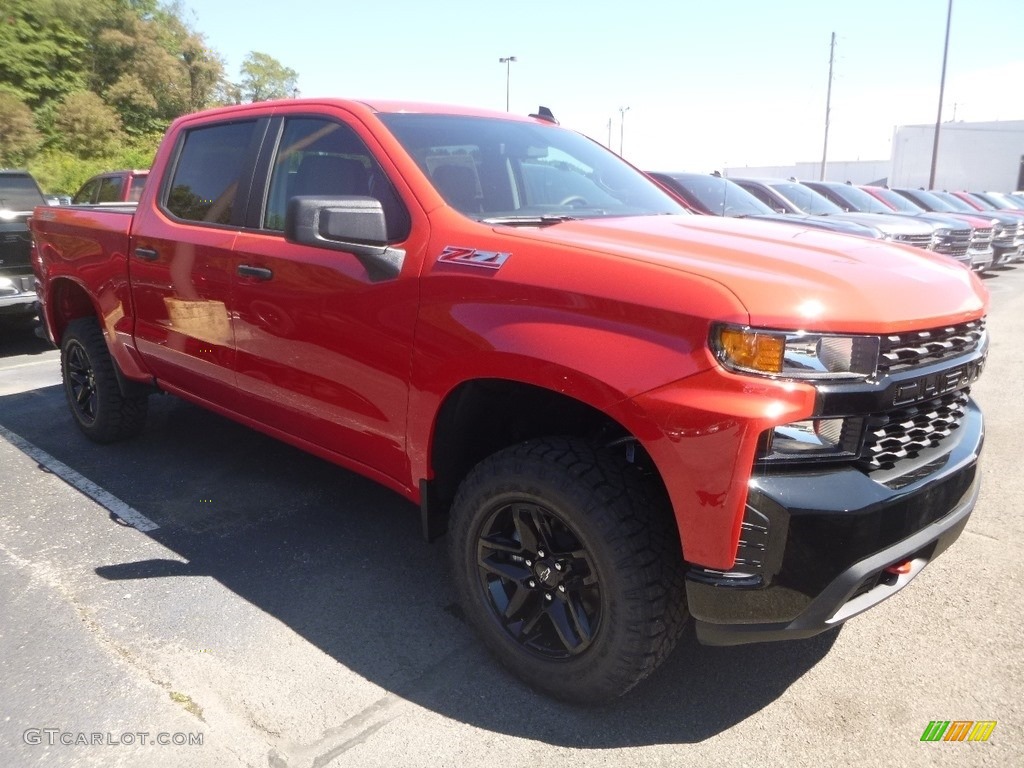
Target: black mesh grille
(905, 433)
(914, 349)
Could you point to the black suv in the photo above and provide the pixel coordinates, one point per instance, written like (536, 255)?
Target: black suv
(19, 195)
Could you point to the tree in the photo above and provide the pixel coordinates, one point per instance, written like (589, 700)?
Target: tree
(40, 53)
(265, 78)
(88, 127)
(18, 135)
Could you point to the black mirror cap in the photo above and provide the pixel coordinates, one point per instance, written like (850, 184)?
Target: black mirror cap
(335, 221)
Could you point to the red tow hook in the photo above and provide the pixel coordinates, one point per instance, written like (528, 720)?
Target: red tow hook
(899, 569)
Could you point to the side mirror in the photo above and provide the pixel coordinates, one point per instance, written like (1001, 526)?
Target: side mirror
(352, 224)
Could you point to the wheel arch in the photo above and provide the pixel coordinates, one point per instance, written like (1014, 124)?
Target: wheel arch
(66, 300)
(480, 417)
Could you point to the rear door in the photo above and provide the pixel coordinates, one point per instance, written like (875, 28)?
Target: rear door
(324, 347)
(182, 264)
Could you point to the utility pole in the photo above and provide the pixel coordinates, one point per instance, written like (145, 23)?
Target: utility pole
(507, 61)
(609, 133)
(622, 126)
(942, 89)
(828, 104)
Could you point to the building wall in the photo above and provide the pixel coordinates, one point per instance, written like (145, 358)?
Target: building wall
(856, 171)
(978, 156)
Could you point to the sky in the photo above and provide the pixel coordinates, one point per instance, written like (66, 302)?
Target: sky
(707, 84)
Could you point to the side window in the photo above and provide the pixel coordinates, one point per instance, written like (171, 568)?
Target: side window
(763, 196)
(206, 176)
(321, 157)
(87, 193)
(110, 189)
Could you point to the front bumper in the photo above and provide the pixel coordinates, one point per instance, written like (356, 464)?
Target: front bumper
(18, 294)
(816, 544)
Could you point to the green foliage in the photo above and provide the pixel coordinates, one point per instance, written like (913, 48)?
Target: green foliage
(265, 78)
(88, 127)
(61, 172)
(102, 79)
(18, 135)
(40, 54)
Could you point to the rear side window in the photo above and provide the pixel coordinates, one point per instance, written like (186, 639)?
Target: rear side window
(206, 177)
(110, 189)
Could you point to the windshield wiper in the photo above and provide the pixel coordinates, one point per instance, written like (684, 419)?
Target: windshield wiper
(529, 221)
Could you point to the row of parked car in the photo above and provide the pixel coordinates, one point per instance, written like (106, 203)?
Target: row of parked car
(979, 229)
(19, 196)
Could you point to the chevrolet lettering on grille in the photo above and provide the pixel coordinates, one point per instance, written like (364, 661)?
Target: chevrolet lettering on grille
(937, 384)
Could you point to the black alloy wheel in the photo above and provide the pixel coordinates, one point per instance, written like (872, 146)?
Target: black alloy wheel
(102, 411)
(567, 563)
(540, 581)
(81, 382)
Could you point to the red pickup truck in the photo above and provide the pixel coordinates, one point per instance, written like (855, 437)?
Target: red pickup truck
(623, 416)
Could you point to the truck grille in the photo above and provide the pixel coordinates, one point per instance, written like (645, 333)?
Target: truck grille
(1004, 235)
(982, 239)
(900, 352)
(918, 241)
(956, 244)
(905, 433)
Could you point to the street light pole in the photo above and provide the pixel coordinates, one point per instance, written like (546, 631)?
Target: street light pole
(622, 126)
(507, 61)
(942, 89)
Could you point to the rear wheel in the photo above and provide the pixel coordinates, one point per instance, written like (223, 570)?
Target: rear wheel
(568, 564)
(90, 384)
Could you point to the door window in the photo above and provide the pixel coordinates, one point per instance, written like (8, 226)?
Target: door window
(206, 177)
(327, 159)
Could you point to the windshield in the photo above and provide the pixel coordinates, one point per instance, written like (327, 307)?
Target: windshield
(859, 200)
(806, 199)
(896, 200)
(1004, 201)
(943, 201)
(721, 196)
(18, 192)
(489, 168)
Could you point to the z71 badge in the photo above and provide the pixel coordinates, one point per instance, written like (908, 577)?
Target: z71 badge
(471, 257)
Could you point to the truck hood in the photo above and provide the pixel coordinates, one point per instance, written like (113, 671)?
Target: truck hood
(815, 221)
(787, 276)
(889, 224)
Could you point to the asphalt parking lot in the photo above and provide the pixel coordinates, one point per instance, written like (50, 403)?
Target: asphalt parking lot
(286, 613)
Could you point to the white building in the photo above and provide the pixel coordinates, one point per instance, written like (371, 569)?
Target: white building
(979, 156)
(975, 156)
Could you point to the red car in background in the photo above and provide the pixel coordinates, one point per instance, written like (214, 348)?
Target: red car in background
(112, 187)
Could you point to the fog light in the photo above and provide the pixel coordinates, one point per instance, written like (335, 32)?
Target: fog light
(836, 438)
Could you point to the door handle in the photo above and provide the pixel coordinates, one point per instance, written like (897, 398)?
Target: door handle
(260, 273)
(146, 254)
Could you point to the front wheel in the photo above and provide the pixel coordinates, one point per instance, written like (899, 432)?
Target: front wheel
(567, 562)
(99, 408)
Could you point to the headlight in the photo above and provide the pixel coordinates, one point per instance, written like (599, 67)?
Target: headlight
(795, 355)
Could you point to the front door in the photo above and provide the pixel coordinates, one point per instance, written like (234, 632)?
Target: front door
(323, 346)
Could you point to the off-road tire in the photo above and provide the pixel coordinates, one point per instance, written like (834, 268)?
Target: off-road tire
(90, 385)
(615, 630)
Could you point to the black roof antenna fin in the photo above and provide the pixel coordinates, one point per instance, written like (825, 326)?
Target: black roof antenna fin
(543, 113)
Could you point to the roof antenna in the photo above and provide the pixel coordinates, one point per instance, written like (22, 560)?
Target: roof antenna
(543, 113)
